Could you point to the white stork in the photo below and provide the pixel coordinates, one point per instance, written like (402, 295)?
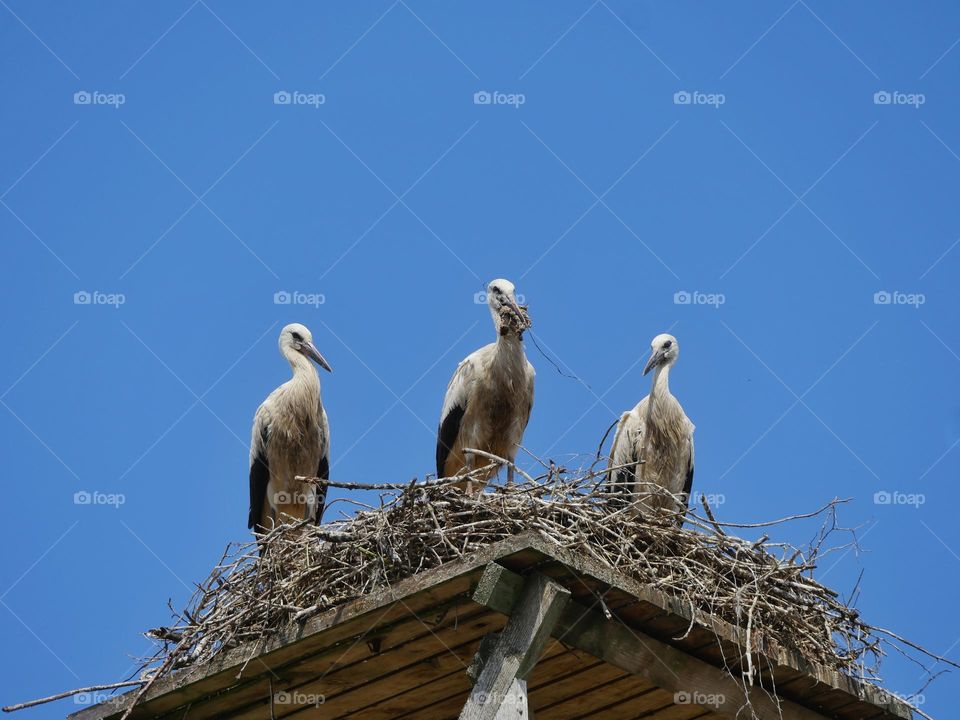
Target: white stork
(657, 435)
(490, 395)
(291, 437)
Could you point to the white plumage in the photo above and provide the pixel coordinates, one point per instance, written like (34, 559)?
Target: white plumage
(489, 398)
(291, 437)
(658, 437)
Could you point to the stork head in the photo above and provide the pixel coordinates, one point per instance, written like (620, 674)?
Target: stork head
(296, 341)
(664, 351)
(502, 300)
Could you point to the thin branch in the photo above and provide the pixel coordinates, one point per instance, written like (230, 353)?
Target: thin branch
(68, 693)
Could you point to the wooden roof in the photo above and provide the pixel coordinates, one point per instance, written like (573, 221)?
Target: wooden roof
(625, 651)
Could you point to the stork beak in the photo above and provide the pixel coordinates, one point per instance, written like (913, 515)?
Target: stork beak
(512, 304)
(310, 350)
(655, 359)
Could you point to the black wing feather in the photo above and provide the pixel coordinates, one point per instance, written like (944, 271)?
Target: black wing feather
(447, 435)
(259, 480)
(323, 472)
(688, 486)
(624, 480)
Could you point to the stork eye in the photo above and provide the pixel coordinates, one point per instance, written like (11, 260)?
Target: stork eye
(297, 336)
(667, 344)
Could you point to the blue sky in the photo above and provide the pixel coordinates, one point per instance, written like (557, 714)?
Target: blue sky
(632, 155)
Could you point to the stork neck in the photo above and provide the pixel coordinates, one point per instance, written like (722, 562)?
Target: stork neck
(509, 345)
(661, 383)
(304, 371)
(508, 354)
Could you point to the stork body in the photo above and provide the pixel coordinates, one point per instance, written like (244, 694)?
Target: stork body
(658, 437)
(490, 396)
(291, 437)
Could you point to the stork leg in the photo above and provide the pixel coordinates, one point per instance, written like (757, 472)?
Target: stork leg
(267, 518)
(468, 463)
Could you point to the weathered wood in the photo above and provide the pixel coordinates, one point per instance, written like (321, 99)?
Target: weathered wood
(532, 617)
(220, 677)
(352, 686)
(343, 666)
(300, 654)
(670, 609)
(655, 661)
(514, 705)
(442, 698)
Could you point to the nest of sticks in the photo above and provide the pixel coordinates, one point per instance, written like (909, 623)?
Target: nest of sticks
(513, 322)
(765, 590)
(759, 587)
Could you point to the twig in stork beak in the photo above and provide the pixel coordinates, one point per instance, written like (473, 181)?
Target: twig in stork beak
(655, 360)
(310, 350)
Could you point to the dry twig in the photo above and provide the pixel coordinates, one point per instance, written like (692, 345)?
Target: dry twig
(763, 589)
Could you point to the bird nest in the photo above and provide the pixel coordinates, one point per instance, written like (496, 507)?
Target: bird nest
(757, 586)
(515, 322)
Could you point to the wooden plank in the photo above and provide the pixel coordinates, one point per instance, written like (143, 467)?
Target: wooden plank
(343, 665)
(337, 630)
(453, 690)
(421, 700)
(681, 712)
(659, 663)
(643, 607)
(591, 698)
(356, 687)
(514, 705)
(643, 704)
(774, 655)
(532, 618)
(560, 667)
(420, 591)
(569, 687)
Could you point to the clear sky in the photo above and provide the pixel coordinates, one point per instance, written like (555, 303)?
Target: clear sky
(611, 158)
